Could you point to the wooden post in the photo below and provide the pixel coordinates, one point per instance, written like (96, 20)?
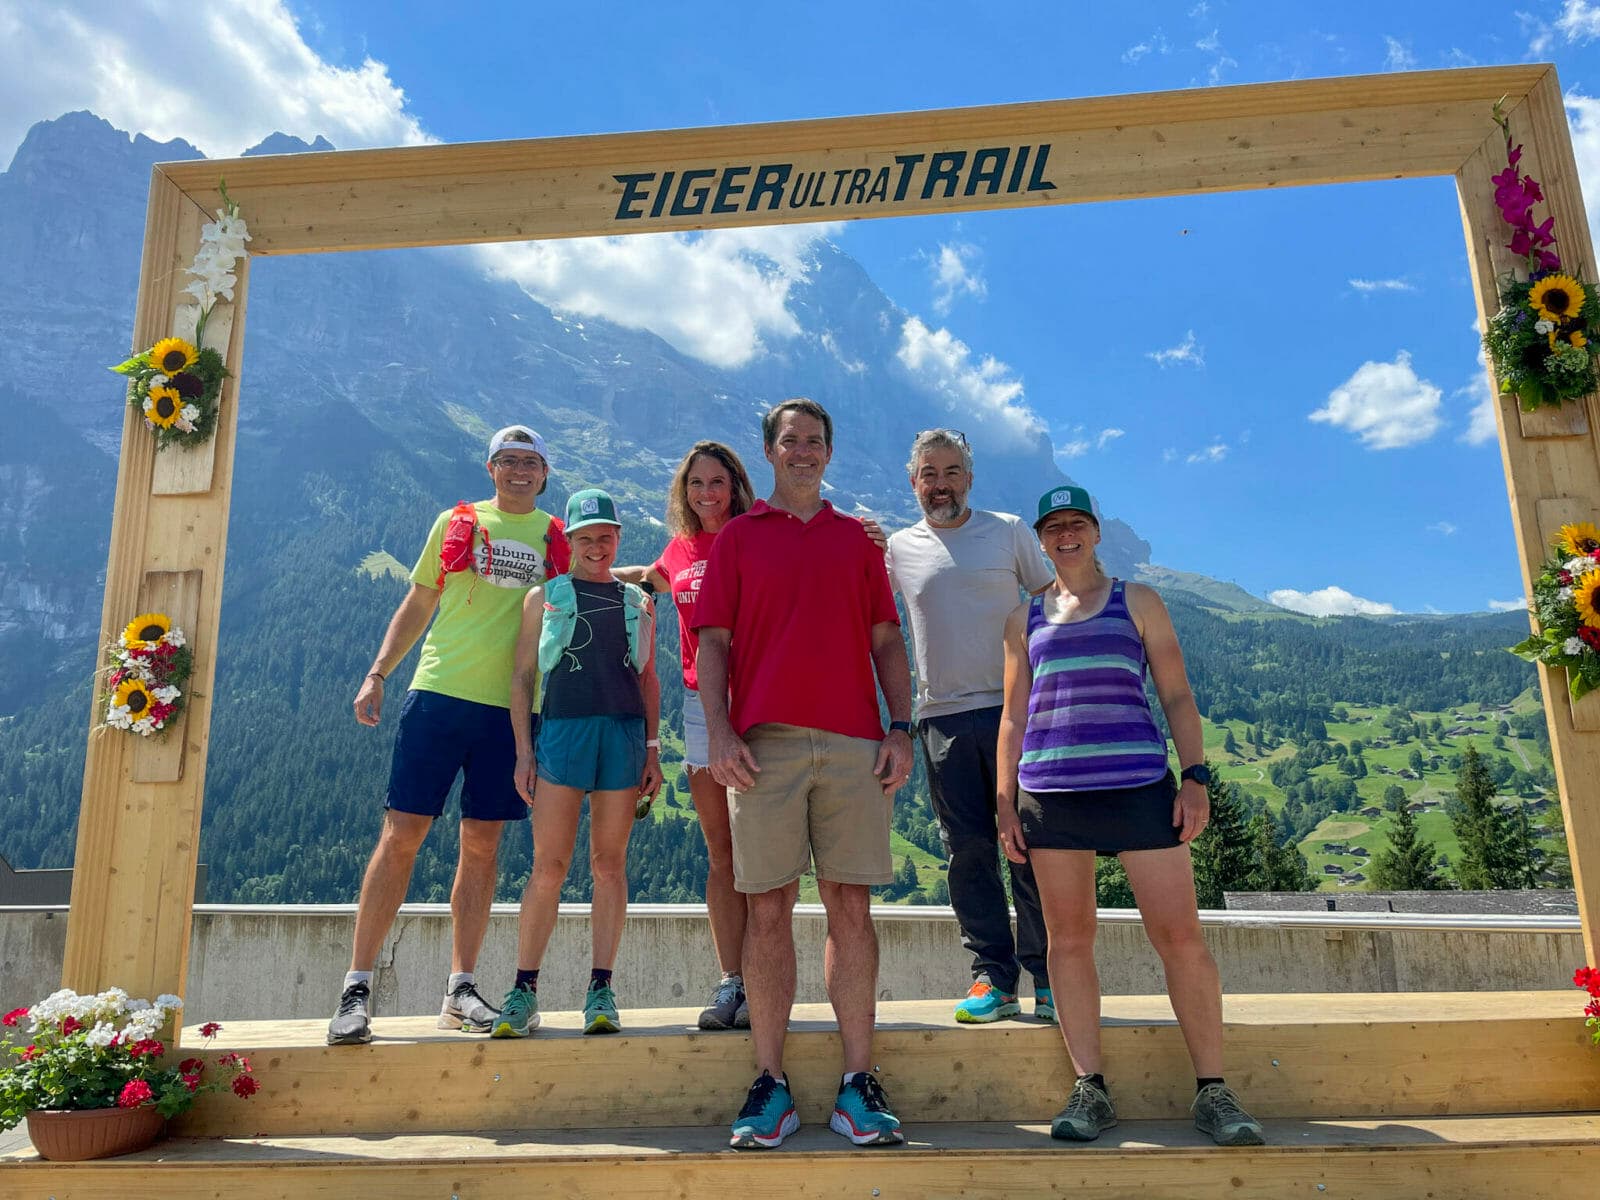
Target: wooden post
(139, 822)
(1551, 464)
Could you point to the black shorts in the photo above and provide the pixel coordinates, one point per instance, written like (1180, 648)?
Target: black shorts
(1107, 822)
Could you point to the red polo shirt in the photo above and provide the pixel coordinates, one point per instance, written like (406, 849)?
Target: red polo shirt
(800, 598)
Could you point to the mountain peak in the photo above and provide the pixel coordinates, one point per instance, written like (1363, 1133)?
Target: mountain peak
(80, 139)
(286, 143)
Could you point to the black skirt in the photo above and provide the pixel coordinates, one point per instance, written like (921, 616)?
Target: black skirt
(1107, 822)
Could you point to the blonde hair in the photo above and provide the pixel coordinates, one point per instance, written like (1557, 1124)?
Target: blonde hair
(681, 517)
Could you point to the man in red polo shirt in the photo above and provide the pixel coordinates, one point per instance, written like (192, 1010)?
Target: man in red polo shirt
(796, 618)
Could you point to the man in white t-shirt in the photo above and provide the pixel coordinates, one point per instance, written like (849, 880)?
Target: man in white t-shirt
(961, 571)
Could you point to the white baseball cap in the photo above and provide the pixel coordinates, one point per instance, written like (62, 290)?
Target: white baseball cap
(519, 435)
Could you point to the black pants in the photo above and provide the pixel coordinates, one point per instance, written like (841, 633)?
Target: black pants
(959, 752)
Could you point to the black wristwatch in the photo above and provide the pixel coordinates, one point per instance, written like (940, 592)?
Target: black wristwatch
(1200, 773)
(900, 727)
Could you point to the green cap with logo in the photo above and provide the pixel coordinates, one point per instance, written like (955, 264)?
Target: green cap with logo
(591, 507)
(1067, 496)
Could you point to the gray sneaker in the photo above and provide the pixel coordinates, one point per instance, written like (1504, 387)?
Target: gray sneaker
(1218, 1113)
(352, 1024)
(466, 1010)
(1088, 1113)
(723, 1011)
(741, 1019)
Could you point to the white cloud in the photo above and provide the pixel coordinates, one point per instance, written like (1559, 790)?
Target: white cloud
(1199, 11)
(1444, 527)
(237, 71)
(1079, 442)
(1329, 602)
(1212, 44)
(719, 296)
(1579, 22)
(985, 389)
(955, 274)
(1382, 285)
(1399, 56)
(1520, 604)
(1215, 452)
(1385, 404)
(831, 344)
(1169, 455)
(1076, 449)
(1583, 118)
(1107, 436)
(1188, 352)
(1481, 425)
(1156, 43)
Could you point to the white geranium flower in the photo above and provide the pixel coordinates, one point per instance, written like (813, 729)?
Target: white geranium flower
(174, 637)
(167, 1000)
(100, 1035)
(166, 695)
(189, 413)
(118, 717)
(1564, 595)
(1572, 646)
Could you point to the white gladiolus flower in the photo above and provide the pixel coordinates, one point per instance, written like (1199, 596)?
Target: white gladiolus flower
(166, 695)
(174, 637)
(1572, 646)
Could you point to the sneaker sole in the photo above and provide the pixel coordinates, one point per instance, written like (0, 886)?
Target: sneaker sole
(505, 1029)
(1065, 1133)
(350, 1039)
(711, 1023)
(966, 1016)
(450, 1020)
(750, 1140)
(1045, 1014)
(603, 1025)
(1239, 1137)
(841, 1124)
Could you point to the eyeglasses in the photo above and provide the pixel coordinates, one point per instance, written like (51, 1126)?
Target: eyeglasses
(954, 434)
(520, 462)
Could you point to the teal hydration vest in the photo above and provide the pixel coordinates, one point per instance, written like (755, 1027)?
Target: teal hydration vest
(561, 618)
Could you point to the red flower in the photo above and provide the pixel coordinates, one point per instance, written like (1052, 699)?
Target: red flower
(1592, 1009)
(1564, 578)
(245, 1085)
(191, 1081)
(70, 1026)
(27, 1055)
(12, 1017)
(1590, 636)
(146, 1046)
(209, 1029)
(1588, 979)
(192, 1066)
(134, 1093)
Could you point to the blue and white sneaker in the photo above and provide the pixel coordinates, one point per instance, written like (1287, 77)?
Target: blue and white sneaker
(861, 1113)
(985, 1003)
(767, 1117)
(1044, 1005)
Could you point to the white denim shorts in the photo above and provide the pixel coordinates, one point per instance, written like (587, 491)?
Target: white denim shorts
(696, 742)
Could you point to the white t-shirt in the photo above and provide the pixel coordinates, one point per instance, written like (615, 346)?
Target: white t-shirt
(959, 586)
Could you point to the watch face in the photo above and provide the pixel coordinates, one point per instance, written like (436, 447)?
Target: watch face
(1201, 775)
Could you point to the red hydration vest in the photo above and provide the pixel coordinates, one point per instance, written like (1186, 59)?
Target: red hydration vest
(456, 552)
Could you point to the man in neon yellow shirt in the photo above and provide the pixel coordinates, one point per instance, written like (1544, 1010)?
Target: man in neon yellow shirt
(454, 719)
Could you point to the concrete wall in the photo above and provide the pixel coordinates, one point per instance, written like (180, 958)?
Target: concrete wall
(281, 962)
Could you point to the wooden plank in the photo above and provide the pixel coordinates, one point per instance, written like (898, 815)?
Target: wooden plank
(176, 593)
(187, 470)
(1532, 1159)
(1103, 148)
(1300, 1056)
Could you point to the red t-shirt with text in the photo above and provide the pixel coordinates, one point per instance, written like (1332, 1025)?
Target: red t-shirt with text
(683, 563)
(800, 599)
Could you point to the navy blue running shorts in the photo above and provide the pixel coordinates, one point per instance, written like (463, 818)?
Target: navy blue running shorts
(440, 737)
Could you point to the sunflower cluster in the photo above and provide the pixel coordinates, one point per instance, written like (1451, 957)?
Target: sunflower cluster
(150, 664)
(1539, 340)
(1566, 608)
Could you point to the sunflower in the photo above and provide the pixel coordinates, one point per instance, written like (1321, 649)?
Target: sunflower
(163, 406)
(171, 355)
(1578, 539)
(1555, 297)
(1586, 595)
(135, 696)
(146, 630)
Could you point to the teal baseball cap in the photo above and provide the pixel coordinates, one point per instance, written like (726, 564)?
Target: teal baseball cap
(591, 506)
(1067, 496)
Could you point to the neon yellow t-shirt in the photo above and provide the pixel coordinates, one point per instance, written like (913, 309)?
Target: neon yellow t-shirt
(471, 646)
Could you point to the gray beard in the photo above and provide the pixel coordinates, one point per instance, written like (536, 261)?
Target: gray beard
(944, 514)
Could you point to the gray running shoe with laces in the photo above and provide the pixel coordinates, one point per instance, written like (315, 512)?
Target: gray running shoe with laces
(726, 1000)
(466, 1010)
(1088, 1113)
(352, 1024)
(1218, 1113)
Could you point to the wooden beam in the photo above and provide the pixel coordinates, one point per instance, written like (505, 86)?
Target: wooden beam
(1105, 148)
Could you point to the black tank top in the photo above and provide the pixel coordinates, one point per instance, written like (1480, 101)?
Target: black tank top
(594, 677)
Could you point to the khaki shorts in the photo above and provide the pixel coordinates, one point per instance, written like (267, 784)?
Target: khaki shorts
(814, 797)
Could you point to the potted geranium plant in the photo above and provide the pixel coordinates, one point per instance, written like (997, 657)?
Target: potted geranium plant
(92, 1079)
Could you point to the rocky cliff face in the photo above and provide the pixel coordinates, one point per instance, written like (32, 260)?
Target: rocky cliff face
(397, 364)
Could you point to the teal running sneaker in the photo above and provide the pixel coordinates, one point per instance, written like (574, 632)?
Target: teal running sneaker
(767, 1117)
(861, 1113)
(600, 1011)
(519, 1014)
(985, 1003)
(1044, 1005)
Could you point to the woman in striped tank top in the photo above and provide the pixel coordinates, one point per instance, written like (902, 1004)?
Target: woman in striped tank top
(1083, 771)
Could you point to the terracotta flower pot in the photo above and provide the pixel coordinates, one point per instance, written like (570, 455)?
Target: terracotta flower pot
(63, 1136)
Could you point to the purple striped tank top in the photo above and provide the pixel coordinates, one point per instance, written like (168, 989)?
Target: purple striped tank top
(1089, 721)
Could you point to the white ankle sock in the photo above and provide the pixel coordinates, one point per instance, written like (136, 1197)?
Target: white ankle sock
(457, 978)
(354, 977)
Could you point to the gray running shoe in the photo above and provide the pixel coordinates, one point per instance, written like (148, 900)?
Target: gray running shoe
(723, 1011)
(466, 1010)
(352, 1024)
(1218, 1113)
(1088, 1113)
(741, 1019)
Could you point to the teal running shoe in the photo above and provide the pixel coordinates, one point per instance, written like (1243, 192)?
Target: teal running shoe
(985, 1003)
(600, 1011)
(1044, 1005)
(861, 1113)
(519, 1014)
(767, 1117)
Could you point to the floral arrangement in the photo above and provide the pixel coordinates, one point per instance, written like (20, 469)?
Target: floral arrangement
(1539, 340)
(101, 1051)
(176, 383)
(1566, 608)
(1589, 980)
(150, 664)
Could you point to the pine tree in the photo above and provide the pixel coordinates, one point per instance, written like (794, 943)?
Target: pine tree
(1230, 745)
(1554, 828)
(1275, 866)
(1222, 854)
(1524, 859)
(1407, 863)
(1483, 830)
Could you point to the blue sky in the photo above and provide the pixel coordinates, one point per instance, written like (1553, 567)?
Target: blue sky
(1277, 388)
